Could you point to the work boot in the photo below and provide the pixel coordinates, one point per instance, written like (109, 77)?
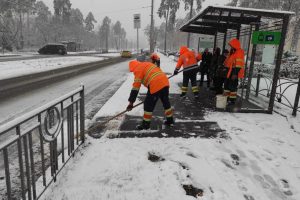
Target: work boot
(169, 121)
(183, 95)
(143, 126)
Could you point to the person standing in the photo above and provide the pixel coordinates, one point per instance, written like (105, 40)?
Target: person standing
(155, 59)
(156, 81)
(205, 67)
(214, 66)
(188, 61)
(221, 72)
(235, 63)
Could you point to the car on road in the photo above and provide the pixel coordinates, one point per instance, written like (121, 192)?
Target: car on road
(126, 54)
(53, 49)
(171, 53)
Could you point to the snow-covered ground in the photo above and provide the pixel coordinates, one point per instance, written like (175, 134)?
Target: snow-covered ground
(18, 68)
(260, 160)
(8, 54)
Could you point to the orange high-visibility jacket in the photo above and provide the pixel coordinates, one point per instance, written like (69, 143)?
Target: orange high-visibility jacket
(236, 59)
(186, 59)
(198, 56)
(154, 56)
(149, 75)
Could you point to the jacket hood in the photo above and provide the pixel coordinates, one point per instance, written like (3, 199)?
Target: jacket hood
(153, 55)
(133, 65)
(183, 49)
(235, 43)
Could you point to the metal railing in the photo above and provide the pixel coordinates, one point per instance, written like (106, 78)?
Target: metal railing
(283, 86)
(36, 146)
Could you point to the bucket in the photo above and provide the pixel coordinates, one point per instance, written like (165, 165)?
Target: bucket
(221, 102)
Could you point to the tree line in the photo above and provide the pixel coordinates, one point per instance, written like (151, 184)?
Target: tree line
(286, 5)
(167, 35)
(30, 24)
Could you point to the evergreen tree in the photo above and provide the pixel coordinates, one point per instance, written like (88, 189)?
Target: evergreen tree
(89, 22)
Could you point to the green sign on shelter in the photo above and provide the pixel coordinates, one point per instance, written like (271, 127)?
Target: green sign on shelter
(266, 37)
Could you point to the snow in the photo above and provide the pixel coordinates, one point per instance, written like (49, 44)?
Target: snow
(18, 68)
(8, 55)
(99, 85)
(255, 9)
(266, 147)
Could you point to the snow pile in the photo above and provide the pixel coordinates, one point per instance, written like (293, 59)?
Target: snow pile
(260, 161)
(18, 68)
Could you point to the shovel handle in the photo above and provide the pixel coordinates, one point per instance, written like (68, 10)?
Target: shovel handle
(103, 123)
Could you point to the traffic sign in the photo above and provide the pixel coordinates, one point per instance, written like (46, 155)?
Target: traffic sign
(137, 20)
(266, 37)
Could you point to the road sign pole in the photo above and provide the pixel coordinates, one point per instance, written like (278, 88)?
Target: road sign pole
(137, 25)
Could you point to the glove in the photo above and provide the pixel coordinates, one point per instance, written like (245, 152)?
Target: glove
(129, 107)
(175, 72)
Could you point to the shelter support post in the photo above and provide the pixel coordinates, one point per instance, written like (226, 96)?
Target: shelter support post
(215, 40)
(224, 41)
(251, 67)
(199, 39)
(238, 33)
(246, 63)
(285, 24)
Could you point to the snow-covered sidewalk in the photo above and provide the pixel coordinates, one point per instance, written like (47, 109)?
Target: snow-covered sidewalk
(12, 69)
(259, 160)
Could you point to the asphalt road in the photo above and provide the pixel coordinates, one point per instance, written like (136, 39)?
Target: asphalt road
(98, 83)
(38, 56)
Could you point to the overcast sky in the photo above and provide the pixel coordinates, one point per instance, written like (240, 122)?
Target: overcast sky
(123, 11)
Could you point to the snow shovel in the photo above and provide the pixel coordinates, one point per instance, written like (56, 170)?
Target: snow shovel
(101, 125)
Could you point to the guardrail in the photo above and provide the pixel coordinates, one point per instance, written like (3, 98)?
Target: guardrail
(36, 146)
(283, 86)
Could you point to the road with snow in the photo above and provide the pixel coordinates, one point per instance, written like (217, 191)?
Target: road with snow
(99, 86)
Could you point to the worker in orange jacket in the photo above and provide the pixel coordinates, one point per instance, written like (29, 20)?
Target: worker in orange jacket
(235, 63)
(155, 59)
(156, 81)
(188, 59)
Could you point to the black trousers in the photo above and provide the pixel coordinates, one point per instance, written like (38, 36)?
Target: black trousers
(158, 63)
(151, 100)
(218, 83)
(230, 89)
(188, 76)
(205, 70)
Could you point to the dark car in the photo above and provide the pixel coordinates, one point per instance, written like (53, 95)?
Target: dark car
(53, 49)
(171, 53)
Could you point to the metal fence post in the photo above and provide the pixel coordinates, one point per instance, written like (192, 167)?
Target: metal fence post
(295, 109)
(257, 84)
(24, 144)
(82, 111)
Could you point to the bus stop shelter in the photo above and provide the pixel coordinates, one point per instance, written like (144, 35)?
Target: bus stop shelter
(254, 28)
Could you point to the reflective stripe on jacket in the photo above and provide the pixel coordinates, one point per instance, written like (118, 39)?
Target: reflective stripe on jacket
(236, 60)
(150, 76)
